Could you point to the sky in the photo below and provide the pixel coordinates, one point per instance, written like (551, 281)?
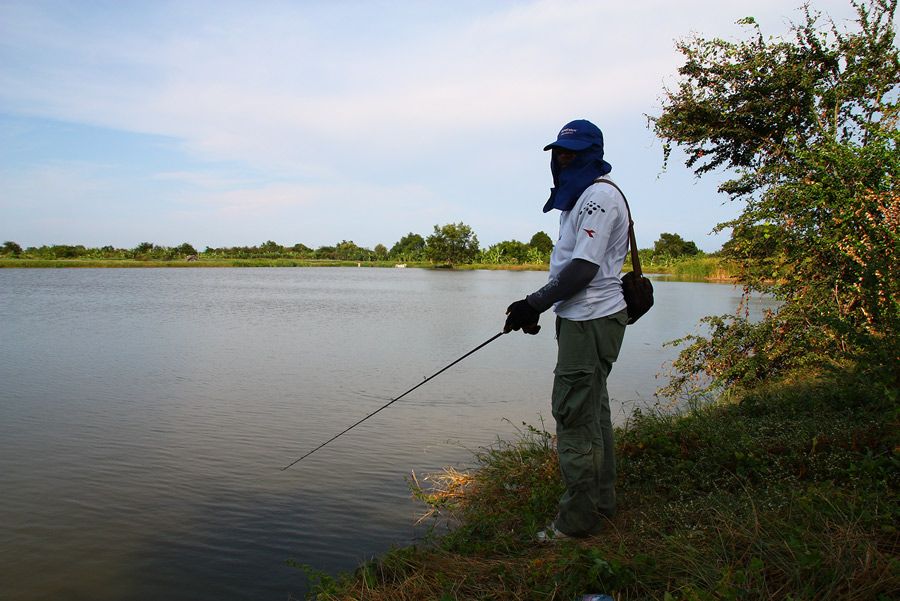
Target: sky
(231, 123)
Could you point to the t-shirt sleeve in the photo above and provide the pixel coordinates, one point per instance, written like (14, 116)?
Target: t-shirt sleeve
(594, 223)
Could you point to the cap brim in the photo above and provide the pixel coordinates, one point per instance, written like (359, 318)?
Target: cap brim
(575, 145)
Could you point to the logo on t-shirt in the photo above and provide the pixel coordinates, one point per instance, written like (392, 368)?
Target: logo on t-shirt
(590, 233)
(590, 207)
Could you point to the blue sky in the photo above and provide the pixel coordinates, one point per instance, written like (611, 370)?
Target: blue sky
(230, 123)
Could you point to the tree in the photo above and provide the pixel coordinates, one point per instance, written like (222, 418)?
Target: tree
(409, 248)
(271, 249)
(508, 251)
(109, 252)
(11, 248)
(347, 250)
(541, 242)
(454, 243)
(766, 243)
(67, 251)
(143, 248)
(674, 246)
(185, 250)
(807, 129)
(326, 252)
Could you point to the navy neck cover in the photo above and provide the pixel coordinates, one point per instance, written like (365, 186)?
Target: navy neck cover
(572, 181)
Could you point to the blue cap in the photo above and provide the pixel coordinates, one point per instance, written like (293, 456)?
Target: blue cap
(577, 135)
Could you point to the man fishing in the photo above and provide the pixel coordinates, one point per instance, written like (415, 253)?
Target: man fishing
(585, 290)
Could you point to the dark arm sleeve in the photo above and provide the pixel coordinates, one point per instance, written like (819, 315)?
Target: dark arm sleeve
(573, 278)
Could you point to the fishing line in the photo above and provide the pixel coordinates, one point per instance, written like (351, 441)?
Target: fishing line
(480, 346)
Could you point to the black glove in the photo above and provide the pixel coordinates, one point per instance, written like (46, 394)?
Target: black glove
(522, 316)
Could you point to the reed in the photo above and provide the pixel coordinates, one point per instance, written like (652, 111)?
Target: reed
(707, 268)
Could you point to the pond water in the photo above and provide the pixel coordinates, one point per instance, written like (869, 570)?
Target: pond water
(146, 416)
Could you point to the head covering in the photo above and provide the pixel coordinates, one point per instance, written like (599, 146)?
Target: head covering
(586, 139)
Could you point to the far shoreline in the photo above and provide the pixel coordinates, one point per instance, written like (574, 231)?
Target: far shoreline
(702, 269)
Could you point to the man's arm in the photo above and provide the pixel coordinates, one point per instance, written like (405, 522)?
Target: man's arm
(573, 278)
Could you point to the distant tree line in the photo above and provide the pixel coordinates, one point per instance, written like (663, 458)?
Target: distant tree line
(450, 244)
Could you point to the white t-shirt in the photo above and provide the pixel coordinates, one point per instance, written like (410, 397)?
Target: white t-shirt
(596, 230)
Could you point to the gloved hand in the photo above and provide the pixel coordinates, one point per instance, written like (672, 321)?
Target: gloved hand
(522, 316)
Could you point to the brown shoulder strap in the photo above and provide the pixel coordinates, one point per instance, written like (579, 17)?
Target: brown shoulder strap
(635, 261)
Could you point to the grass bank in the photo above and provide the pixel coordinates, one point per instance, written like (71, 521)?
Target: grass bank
(789, 493)
(709, 268)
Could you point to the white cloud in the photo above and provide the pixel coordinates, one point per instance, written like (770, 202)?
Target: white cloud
(265, 82)
(435, 111)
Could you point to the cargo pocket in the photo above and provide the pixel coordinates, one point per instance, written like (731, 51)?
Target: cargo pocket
(576, 462)
(572, 397)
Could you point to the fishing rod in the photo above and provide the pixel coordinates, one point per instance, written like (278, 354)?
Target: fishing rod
(480, 346)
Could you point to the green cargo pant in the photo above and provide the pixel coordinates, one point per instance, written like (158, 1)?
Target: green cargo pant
(587, 350)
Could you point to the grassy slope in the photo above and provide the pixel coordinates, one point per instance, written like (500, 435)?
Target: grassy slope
(789, 494)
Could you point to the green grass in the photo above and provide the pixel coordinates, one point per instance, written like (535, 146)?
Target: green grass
(788, 494)
(709, 268)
